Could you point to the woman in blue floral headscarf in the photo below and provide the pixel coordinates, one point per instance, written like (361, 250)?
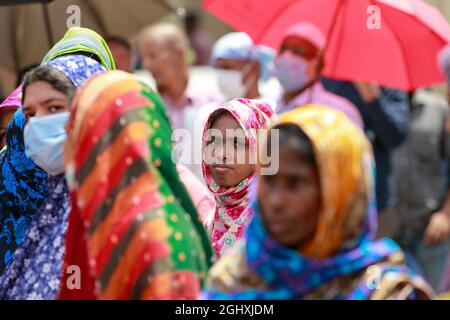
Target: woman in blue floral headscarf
(23, 185)
(35, 269)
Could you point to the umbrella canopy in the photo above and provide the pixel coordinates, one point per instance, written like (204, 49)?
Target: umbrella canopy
(27, 31)
(399, 52)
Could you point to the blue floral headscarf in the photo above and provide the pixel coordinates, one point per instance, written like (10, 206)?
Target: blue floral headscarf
(22, 188)
(23, 185)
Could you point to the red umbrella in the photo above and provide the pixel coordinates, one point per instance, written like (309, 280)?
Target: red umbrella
(390, 42)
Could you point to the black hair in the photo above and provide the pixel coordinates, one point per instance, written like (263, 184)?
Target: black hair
(22, 72)
(52, 76)
(216, 114)
(297, 140)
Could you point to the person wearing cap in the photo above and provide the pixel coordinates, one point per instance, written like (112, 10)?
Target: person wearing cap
(241, 65)
(298, 67)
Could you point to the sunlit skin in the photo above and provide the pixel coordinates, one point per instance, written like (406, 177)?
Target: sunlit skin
(305, 49)
(250, 74)
(290, 200)
(226, 152)
(41, 99)
(6, 115)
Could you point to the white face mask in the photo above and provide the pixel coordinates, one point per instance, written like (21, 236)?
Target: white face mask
(291, 71)
(231, 84)
(44, 139)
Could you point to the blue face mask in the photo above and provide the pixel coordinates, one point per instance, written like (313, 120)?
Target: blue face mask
(292, 71)
(44, 141)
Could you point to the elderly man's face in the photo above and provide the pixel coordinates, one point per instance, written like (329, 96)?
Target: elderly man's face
(160, 58)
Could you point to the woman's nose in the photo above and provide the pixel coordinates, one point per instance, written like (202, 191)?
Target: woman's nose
(275, 199)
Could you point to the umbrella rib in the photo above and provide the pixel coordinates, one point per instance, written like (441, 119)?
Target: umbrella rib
(47, 23)
(402, 50)
(97, 17)
(331, 32)
(13, 35)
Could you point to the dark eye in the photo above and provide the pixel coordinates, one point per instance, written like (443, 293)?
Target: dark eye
(293, 182)
(211, 140)
(29, 115)
(269, 179)
(298, 51)
(55, 109)
(214, 140)
(239, 144)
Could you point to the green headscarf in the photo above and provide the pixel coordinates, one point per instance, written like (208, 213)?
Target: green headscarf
(82, 40)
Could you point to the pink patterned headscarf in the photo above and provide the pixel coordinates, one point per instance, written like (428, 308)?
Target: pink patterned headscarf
(14, 100)
(233, 213)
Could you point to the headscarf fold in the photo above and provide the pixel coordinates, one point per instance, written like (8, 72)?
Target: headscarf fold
(77, 68)
(35, 270)
(14, 100)
(23, 185)
(78, 40)
(233, 213)
(344, 240)
(133, 232)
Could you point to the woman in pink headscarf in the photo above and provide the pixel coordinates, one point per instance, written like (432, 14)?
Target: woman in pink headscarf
(7, 109)
(229, 158)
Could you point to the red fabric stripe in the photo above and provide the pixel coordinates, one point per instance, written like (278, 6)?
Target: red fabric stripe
(156, 249)
(76, 254)
(139, 150)
(148, 201)
(110, 115)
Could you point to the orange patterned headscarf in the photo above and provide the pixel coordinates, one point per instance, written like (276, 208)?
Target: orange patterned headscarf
(129, 232)
(346, 177)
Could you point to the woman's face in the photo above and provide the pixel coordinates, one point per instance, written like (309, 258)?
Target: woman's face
(42, 99)
(228, 153)
(290, 200)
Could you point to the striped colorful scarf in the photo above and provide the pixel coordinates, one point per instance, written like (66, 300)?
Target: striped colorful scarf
(133, 232)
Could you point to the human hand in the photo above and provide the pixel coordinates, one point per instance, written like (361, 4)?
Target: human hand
(438, 228)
